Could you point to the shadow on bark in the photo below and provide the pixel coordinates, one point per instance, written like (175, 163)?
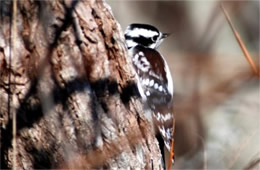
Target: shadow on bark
(28, 113)
(32, 110)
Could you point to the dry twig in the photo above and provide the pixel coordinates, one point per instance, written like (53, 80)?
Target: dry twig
(241, 44)
(13, 45)
(244, 143)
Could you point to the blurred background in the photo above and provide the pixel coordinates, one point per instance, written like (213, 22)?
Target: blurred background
(217, 96)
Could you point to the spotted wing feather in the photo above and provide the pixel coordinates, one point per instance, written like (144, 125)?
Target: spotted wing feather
(150, 67)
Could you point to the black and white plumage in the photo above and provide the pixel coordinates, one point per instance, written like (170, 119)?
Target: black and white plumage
(154, 78)
(145, 35)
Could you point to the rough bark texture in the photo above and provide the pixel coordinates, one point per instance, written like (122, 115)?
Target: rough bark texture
(69, 82)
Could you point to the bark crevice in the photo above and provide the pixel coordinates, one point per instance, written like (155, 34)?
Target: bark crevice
(75, 94)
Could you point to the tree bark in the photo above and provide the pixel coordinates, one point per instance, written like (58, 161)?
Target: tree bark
(66, 78)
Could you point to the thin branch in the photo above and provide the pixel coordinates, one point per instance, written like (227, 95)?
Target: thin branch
(13, 45)
(205, 160)
(241, 44)
(255, 164)
(242, 146)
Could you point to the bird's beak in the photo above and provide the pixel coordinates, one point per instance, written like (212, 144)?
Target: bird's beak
(165, 35)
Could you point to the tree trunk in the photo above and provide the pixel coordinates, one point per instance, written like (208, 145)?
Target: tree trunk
(68, 90)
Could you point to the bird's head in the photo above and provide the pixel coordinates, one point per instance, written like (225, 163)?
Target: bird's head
(145, 35)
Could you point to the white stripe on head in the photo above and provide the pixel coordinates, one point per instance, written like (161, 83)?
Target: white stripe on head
(136, 32)
(130, 43)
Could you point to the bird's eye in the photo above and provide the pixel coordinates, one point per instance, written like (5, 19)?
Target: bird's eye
(154, 38)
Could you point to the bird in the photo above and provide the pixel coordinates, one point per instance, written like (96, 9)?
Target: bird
(154, 80)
